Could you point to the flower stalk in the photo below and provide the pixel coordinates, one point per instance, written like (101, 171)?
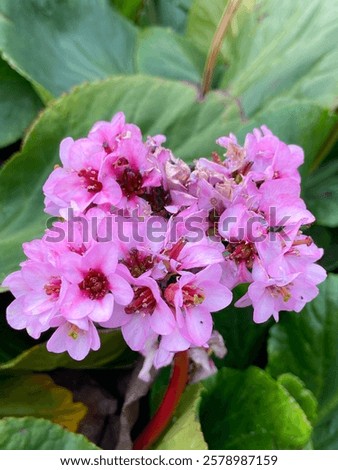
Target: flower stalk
(163, 415)
(228, 14)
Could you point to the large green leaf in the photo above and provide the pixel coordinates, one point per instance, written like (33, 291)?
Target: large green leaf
(157, 106)
(58, 44)
(184, 432)
(328, 240)
(39, 434)
(249, 410)
(113, 351)
(302, 395)
(275, 49)
(306, 344)
(321, 194)
(164, 53)
(18, 102)
(128, 8)
(39, 396)
(172, 13)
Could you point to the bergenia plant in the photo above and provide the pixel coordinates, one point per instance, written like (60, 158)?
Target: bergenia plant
(146, 244)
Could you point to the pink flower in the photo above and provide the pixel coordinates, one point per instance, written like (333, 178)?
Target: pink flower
(146, 316)
(94, 286)
(291, 292)
(109, 134)
(77, 338)
(271, 157)
(134, 172)
(79, 183)
(39, 290)
(194, 296)
(238, 223)
(281, 203)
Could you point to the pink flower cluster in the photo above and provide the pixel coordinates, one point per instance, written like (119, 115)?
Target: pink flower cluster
(151, 246)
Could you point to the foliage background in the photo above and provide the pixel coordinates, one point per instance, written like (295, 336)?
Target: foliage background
(67, 63)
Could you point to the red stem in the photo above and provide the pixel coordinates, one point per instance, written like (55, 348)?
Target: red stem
(163, 415)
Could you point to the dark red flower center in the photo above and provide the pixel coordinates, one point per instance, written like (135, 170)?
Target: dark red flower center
(106, 147)
(53, 287)
(131, 182)
(244, 251)
(143, 301)
(90, 180)
(158, 198)
(138, 262)
(95, 285)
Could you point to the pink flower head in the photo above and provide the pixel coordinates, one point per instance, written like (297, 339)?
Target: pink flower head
(152, 246)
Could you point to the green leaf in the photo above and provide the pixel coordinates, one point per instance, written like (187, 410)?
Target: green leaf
(321, 194)
(19, 105)
(328, 240)
(172, 13)
(59, 44)
(243, 338)
(249, 410)
(39, 434)
(162, 52)
(112, 351)
(184, 432)
(306, 345)
(302, 395)
(39, 396)
(128, 8)
(204, 17)
(275, 49)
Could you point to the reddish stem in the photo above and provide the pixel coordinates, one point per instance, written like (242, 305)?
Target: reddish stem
(163, 415)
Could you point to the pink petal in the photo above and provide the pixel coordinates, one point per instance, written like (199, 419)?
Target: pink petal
(198, 325)
(217, 296)
(162, 320)
(264, 308)
(16, 283)
(102, 256)
(137, 331)
(121, 289)
(118, 318)
(103, 309)
(174, 342)
(15, 314)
